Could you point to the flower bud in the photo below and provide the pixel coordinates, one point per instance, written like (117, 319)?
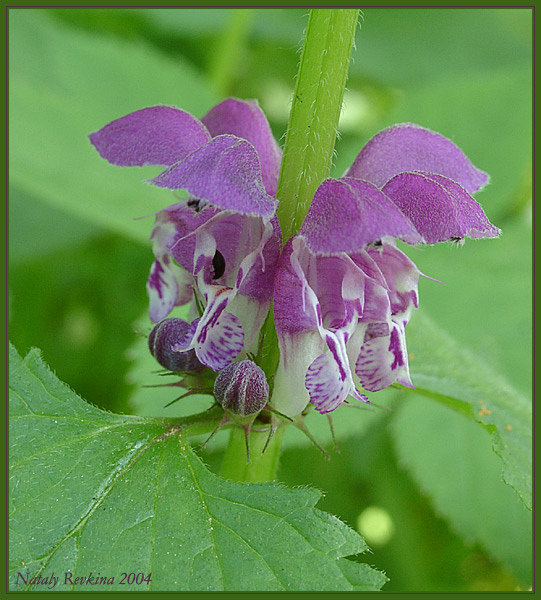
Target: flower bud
(165, 335)
(242, 388)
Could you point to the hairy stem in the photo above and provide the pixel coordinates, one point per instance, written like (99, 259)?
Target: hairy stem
(262, 467)
(315, 111)
(307, 160)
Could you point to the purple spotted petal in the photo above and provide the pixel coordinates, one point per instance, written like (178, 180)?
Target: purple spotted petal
(317, 300)
(158, 135)
(167, 287)
(346, 214)
(402, 278)
(329, 380)
(383, 358)
(225, 172)
(220, 343)
(219, 336)
(216, 337)
(246, 120)
(439, 208)
(408, 147)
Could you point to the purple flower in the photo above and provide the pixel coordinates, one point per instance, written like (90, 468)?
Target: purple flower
(221, 245)
(344, 292)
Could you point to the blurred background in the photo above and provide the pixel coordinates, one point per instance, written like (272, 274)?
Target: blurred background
(419, 481)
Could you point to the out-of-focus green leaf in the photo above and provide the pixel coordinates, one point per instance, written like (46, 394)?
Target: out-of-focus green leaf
(36, 228)
(443, 371)
(416, 546)
(451, 460)
(438, 43)
(486, 299)
(65, 84)
(279, 25)
(96, 492)
(79, 303)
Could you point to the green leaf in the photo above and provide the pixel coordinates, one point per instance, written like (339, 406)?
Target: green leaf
(65, 84)
(82, 321)
(280, 25)
(418, 551)
(461, 42)
(450, 458)
(27, 239)
(502, 337)
(442, 370)
(94, 492)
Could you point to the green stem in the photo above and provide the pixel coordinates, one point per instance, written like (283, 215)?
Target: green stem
(307, 160)
(313, 120)
(262, 467)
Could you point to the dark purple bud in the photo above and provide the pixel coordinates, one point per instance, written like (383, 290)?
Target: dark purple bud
(242, 388)
(164, 335)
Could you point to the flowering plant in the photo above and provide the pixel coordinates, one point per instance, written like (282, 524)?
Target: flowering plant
(285, 287)
(341, 283)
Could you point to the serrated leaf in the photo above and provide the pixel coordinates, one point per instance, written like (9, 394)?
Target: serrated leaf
(94, 492)
(462, 479)
(444, 371)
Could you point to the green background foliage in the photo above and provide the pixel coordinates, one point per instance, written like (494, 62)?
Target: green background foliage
(79, 257)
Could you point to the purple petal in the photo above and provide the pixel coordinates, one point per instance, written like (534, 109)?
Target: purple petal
(376, 306)
(329, 381)
(383, 358)
(224, 172)
(219, 339)
(296, 320)
(401, 276)
(158, 135)
(216, 337)
(258, 282)
(246, 120)
(167, 288)
(330, 274)
(346, 214)
(174, 228)
(294, 310)
(236, 236)
(408, 147)
(439, 208)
